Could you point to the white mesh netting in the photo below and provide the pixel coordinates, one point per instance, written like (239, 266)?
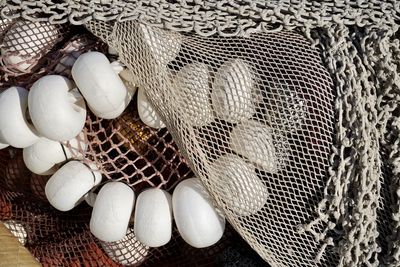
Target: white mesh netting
(254, 116)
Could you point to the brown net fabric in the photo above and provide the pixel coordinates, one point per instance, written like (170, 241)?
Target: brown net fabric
(124, 149)
(127, 149)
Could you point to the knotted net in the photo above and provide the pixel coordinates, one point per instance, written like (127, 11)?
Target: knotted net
(286, 110)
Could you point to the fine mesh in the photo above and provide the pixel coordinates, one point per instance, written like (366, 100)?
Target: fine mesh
(124, 149)
(254, 116)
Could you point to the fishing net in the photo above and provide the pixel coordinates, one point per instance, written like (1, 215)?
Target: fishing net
(259, 137)
(123, 149)
(286, 110)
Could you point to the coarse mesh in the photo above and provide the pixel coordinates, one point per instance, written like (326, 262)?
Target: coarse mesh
(211, 17)
(124, 149)
(261, 147)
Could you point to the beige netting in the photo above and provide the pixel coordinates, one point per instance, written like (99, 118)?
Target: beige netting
(254, 115)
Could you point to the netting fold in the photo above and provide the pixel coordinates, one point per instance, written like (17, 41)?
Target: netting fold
(351, 190)
(292, 117)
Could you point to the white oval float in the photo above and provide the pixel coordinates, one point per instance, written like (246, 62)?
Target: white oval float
(153, 217)
(36, 165)
(119, 110)
(198, 222)
(57, 111)
(25, 41)
(233, 91)
(192, 92)
(112, 211)
(66, 188)
(164, 46)
(244, 193)
(254, 141)
(102, 88)
(15, 129)
(41, 157)
(146, 112)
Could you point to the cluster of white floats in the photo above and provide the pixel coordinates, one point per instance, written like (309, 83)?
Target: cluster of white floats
(54, 111)
(198, 222)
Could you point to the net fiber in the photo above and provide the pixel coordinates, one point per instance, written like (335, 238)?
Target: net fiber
(288, 111)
